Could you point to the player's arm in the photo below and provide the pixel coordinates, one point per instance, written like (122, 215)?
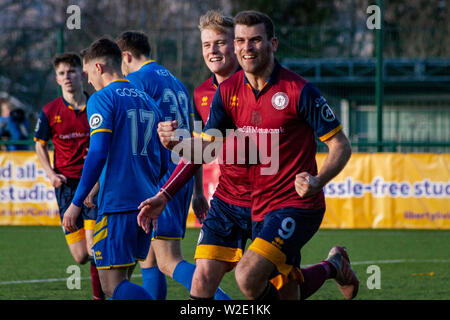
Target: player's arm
(212, 137)
(339, 152)
(185, 170)
(93, 166)
(314, 109)
(41, 136)
(199, 202)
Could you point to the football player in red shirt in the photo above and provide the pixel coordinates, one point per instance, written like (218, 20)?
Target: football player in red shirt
(228, 224)
(64, 121)
(268, 102)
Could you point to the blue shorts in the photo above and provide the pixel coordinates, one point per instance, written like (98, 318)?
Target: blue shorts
(119, 241)
(64, 195)
(282, 233)
(224, 232)
(171, 224)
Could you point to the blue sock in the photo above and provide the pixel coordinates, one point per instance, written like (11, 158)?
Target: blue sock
(221, 295)
(127, 290)
(154, 281)
(183, 273)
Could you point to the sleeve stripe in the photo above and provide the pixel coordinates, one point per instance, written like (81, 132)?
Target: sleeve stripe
(210, 138)
(101, 130)
(331, 133)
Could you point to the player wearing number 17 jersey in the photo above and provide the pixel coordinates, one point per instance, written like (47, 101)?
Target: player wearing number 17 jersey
(127, 159)
(173, 100)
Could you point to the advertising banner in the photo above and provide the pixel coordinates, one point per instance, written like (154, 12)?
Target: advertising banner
(375, 190)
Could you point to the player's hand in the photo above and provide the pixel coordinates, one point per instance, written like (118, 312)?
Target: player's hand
(85, 156)
(70, 218)
(166, 132)
(89, 201)
(306, 185)
(200, 206)
(57, 179)
(151, 209)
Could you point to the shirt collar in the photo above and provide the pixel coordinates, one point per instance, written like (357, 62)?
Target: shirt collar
(214, 81)
(270, 81)
(67, 104)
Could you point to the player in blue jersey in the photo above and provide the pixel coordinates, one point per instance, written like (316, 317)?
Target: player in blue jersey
(127, 159)
(165, 256)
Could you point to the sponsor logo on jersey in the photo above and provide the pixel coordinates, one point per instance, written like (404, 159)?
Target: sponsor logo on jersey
(95, 121)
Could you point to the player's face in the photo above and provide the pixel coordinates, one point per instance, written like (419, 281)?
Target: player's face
(253, 49)
(218, 52)
(69, 78)
(94, 77)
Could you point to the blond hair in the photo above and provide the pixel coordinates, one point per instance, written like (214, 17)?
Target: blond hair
(215, 20)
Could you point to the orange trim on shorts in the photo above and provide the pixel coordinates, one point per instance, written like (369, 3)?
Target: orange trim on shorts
(89, 224)
(220, 253)
(271, 253)
(75, 236)
(280, 280)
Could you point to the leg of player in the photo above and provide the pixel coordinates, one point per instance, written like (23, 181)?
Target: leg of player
(116, 285)
(252, 276)
(153, 280)
(78, 250)
(207, 277)
(95, 279)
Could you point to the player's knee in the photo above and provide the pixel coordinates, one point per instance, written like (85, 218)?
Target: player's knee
(243, 277)
(108, 289)
(80, 257)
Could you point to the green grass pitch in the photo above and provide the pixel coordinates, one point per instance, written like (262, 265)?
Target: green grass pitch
(413, 264)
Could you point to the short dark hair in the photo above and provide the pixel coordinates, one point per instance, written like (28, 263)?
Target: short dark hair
(136, 42)
(104, 48)
(71, 58)
(251, 18)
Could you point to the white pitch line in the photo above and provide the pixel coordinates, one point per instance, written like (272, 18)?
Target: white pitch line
(352, 262)
(355, 263)
(50, 280)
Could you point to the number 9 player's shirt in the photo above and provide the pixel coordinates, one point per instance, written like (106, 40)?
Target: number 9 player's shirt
(133, 165)
(281, 121)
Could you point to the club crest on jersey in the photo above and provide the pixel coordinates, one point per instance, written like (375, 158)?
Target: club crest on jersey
(95, 121)
(280, 100)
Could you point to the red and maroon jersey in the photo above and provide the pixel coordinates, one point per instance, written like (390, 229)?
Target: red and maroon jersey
(69, 131)
(234, 185)
(282, 120)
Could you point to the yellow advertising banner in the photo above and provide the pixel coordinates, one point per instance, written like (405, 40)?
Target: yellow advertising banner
(390, 190)
(377, 190)
(26, 195)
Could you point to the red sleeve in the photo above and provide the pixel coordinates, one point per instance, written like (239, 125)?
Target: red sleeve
(183, 172)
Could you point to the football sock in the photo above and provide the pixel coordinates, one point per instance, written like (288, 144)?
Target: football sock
(314, 277)
(269, 293)
(95, 281)
(127, 290)
(183, 273)
(154, 281)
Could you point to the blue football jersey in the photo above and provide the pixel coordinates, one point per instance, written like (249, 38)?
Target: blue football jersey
(171, 97)
(136, 157)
